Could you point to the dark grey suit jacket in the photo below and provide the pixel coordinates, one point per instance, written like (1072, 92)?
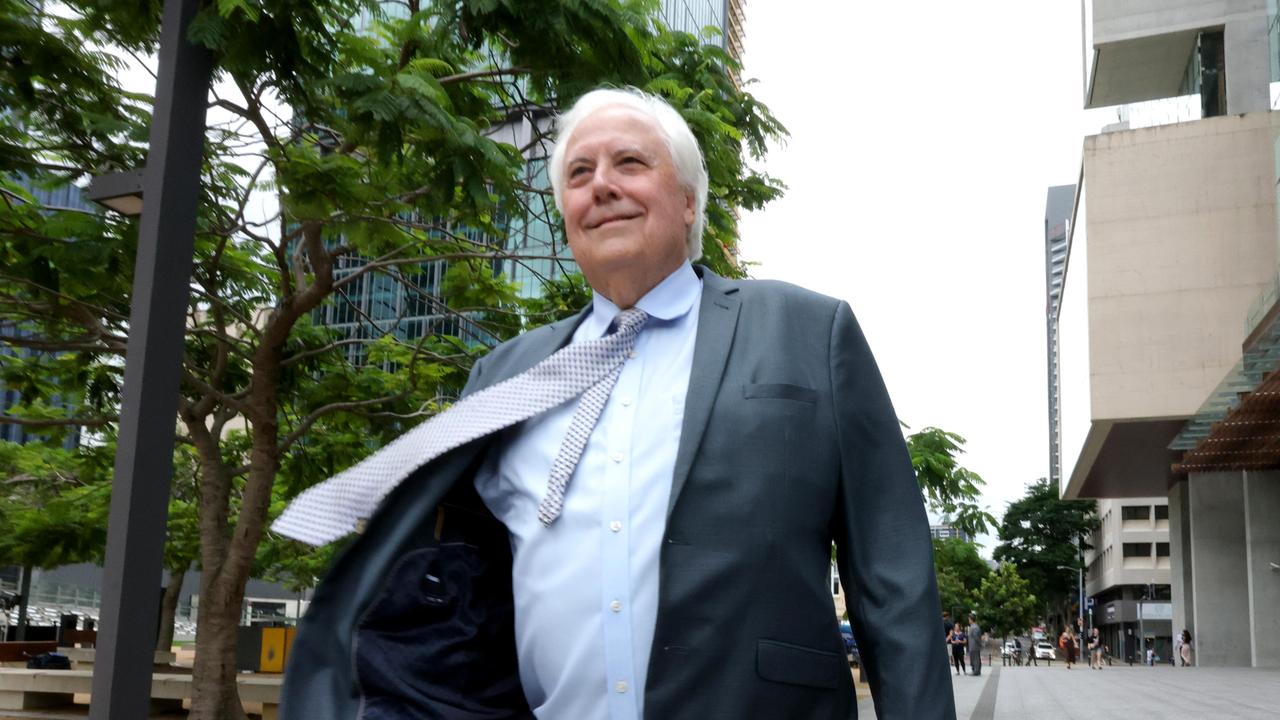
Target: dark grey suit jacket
(789, 443)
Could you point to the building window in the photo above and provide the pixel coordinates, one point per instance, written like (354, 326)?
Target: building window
(1137, 549)
(1162, 549)
(1162, 512)
(1135, 512)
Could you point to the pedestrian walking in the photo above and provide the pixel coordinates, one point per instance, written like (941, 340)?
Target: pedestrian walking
(1184, 651)
(1095, 650)
(975, 645)
(1067, 642)
(1031, 651)
(958, 642)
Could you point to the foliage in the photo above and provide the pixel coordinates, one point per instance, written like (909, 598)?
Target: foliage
(53, 505)
(953, 596)
(377, 133)
(1004, 603)
(960, 572)
(948, 487)
(1045, 536)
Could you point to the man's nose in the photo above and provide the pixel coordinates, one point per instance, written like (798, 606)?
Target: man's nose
(604, 184)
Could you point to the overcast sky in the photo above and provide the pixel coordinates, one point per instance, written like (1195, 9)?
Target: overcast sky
(923, 138)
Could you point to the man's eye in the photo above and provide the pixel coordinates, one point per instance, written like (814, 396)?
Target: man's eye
(576, 171)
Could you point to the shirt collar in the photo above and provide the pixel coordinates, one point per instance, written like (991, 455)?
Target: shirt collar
(672, 298)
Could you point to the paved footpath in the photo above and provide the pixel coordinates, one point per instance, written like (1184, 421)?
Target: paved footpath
(1119, 693)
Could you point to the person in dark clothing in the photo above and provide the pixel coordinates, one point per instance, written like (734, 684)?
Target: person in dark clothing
(959, 643)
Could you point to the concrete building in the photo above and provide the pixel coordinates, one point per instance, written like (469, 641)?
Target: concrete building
(1168, 328)
(945, 530)
(1128, 577)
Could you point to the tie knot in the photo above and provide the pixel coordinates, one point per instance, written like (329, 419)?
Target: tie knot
(630, 321)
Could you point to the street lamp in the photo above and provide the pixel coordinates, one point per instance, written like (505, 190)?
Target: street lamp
(153, 365)
(1080, 589)
(119, 191)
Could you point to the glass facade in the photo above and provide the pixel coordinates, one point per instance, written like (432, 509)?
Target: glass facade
(692, 16)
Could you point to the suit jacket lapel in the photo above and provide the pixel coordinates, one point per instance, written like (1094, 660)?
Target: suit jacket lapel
(717, 322)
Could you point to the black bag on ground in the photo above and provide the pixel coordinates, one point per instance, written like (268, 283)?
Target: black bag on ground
(49, 661)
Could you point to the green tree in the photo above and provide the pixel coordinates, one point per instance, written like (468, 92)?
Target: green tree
(948, 487)
(54, 505)
(1005, 603)
(382, 144)
(1045, 537)
(960, 570)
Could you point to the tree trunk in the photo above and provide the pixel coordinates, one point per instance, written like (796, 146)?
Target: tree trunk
(169, 609)
(214, 693)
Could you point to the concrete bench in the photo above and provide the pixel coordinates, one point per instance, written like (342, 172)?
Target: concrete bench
(22, 689)
(82, 658)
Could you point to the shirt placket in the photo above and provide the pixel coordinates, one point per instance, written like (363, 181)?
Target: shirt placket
(615, 542)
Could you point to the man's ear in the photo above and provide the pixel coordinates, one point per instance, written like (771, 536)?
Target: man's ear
(690, 208)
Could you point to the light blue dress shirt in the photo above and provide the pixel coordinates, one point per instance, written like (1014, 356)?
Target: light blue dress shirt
(586, 589)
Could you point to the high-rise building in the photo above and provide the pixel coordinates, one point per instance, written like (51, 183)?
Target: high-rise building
(1169, 330)
(1057, 218)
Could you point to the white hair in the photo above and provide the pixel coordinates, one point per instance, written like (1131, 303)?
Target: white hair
(681, 144)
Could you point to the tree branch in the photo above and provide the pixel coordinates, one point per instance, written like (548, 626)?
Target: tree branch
(59, 422)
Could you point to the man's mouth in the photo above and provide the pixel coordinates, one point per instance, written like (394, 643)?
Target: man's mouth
(612, 219)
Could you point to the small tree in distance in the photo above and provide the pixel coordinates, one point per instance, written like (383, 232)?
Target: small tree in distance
(1005, 603)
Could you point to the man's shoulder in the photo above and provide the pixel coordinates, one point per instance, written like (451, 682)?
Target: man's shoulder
(760, 296)
(769, 289)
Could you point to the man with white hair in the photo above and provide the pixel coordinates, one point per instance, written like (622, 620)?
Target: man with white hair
(630, 512)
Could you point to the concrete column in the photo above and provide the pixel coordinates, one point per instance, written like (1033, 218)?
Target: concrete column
(1219, 571)
(1180, 570)
(1248, 58)
(1262, 536)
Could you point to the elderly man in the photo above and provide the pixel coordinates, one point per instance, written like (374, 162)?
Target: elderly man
(630, 512)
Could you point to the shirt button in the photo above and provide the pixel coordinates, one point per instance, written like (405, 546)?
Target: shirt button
(621, 686)
(630, 354)
(615, 526)
(615, 606)
(617, 457)
(625, 400)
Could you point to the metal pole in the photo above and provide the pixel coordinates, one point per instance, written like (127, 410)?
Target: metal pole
(24, 602)
(148, 413)
(1142, 636)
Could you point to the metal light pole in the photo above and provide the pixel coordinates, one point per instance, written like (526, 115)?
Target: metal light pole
(149, 403)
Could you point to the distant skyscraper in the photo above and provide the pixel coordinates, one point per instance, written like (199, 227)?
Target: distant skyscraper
(1057, 220)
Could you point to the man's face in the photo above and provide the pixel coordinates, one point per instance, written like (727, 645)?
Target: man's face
(625, 213)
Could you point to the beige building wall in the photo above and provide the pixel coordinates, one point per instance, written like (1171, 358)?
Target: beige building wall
(1107, 563)
(1181, 232)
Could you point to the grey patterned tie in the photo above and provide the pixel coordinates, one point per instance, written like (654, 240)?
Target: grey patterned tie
(330, 510)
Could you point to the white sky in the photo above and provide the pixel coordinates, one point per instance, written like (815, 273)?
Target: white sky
(924, 136)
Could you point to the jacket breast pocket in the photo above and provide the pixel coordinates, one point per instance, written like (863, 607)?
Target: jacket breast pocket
(799, 665)
(780, 391)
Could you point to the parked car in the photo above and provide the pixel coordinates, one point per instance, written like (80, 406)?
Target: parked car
(1045, 651)
(1008, 649)
(850, 645)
